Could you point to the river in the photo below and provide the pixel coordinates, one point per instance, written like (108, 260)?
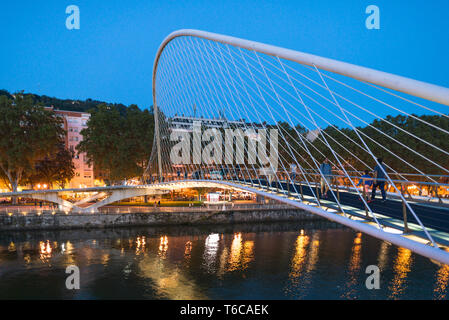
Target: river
(312, 260)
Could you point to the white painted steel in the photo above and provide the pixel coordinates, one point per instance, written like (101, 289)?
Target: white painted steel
(406, 85)
(397, 239)
(416, 88)
(413, 87)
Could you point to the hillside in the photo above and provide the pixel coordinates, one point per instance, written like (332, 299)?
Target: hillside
(67, 104)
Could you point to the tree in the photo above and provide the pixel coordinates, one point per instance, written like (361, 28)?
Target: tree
(28, 133)
(57, 168)
(67, 104)
(118, 145)
(137, 141)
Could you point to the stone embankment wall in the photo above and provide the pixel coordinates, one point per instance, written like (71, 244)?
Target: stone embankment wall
(48, 221)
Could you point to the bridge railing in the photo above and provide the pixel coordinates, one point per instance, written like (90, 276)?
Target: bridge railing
(292, 185)
(417, 189)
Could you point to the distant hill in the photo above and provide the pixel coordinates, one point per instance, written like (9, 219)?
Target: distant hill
(67, 104)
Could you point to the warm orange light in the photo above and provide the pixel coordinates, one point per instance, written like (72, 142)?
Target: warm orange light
(163, 245)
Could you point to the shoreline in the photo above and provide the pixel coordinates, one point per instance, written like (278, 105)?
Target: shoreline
(99, 220)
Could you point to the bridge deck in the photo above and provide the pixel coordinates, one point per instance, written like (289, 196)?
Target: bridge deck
(389, 213)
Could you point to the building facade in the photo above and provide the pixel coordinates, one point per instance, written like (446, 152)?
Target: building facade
(185, 123)
(74, 122)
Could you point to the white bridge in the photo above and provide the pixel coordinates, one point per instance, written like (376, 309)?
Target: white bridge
(319, 108)
(392, 231)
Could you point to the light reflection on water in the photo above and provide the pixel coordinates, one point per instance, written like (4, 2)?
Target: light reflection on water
(354, 268)
(271, 262)
(210, 251)
(402, 267)
(440, 291)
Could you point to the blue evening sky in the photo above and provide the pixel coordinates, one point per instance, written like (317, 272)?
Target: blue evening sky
(111, 57)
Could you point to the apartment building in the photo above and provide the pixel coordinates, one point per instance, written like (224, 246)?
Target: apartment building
(74, 122)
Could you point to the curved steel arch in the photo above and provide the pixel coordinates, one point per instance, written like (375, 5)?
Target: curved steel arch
(413, 87)
(409, 86)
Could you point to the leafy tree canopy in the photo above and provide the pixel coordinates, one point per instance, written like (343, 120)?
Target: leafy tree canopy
(28, 133)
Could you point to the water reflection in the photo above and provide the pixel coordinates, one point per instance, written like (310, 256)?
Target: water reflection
(216, 264)
(248, 254)
(167, 280)
(105, 259)
(297, 263)
(68, 252)
(27, 259)
(241, 254)
(140, 245)
(441, 282)
(236, 249)
(402, 267)
(383, 255)
(210, 251)
(11, 247)
(187, 249)
(313, 254)
(223, 261)
(163, 246)
(45, 251)
(354, 268)
(300, 257)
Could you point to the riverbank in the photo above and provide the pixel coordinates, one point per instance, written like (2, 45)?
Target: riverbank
(47, 220)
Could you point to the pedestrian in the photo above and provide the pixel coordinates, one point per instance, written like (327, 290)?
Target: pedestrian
(379, 180)
(367, 182)
(326, 176)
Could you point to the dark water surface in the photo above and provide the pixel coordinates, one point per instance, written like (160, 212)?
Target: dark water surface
(316, 260)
